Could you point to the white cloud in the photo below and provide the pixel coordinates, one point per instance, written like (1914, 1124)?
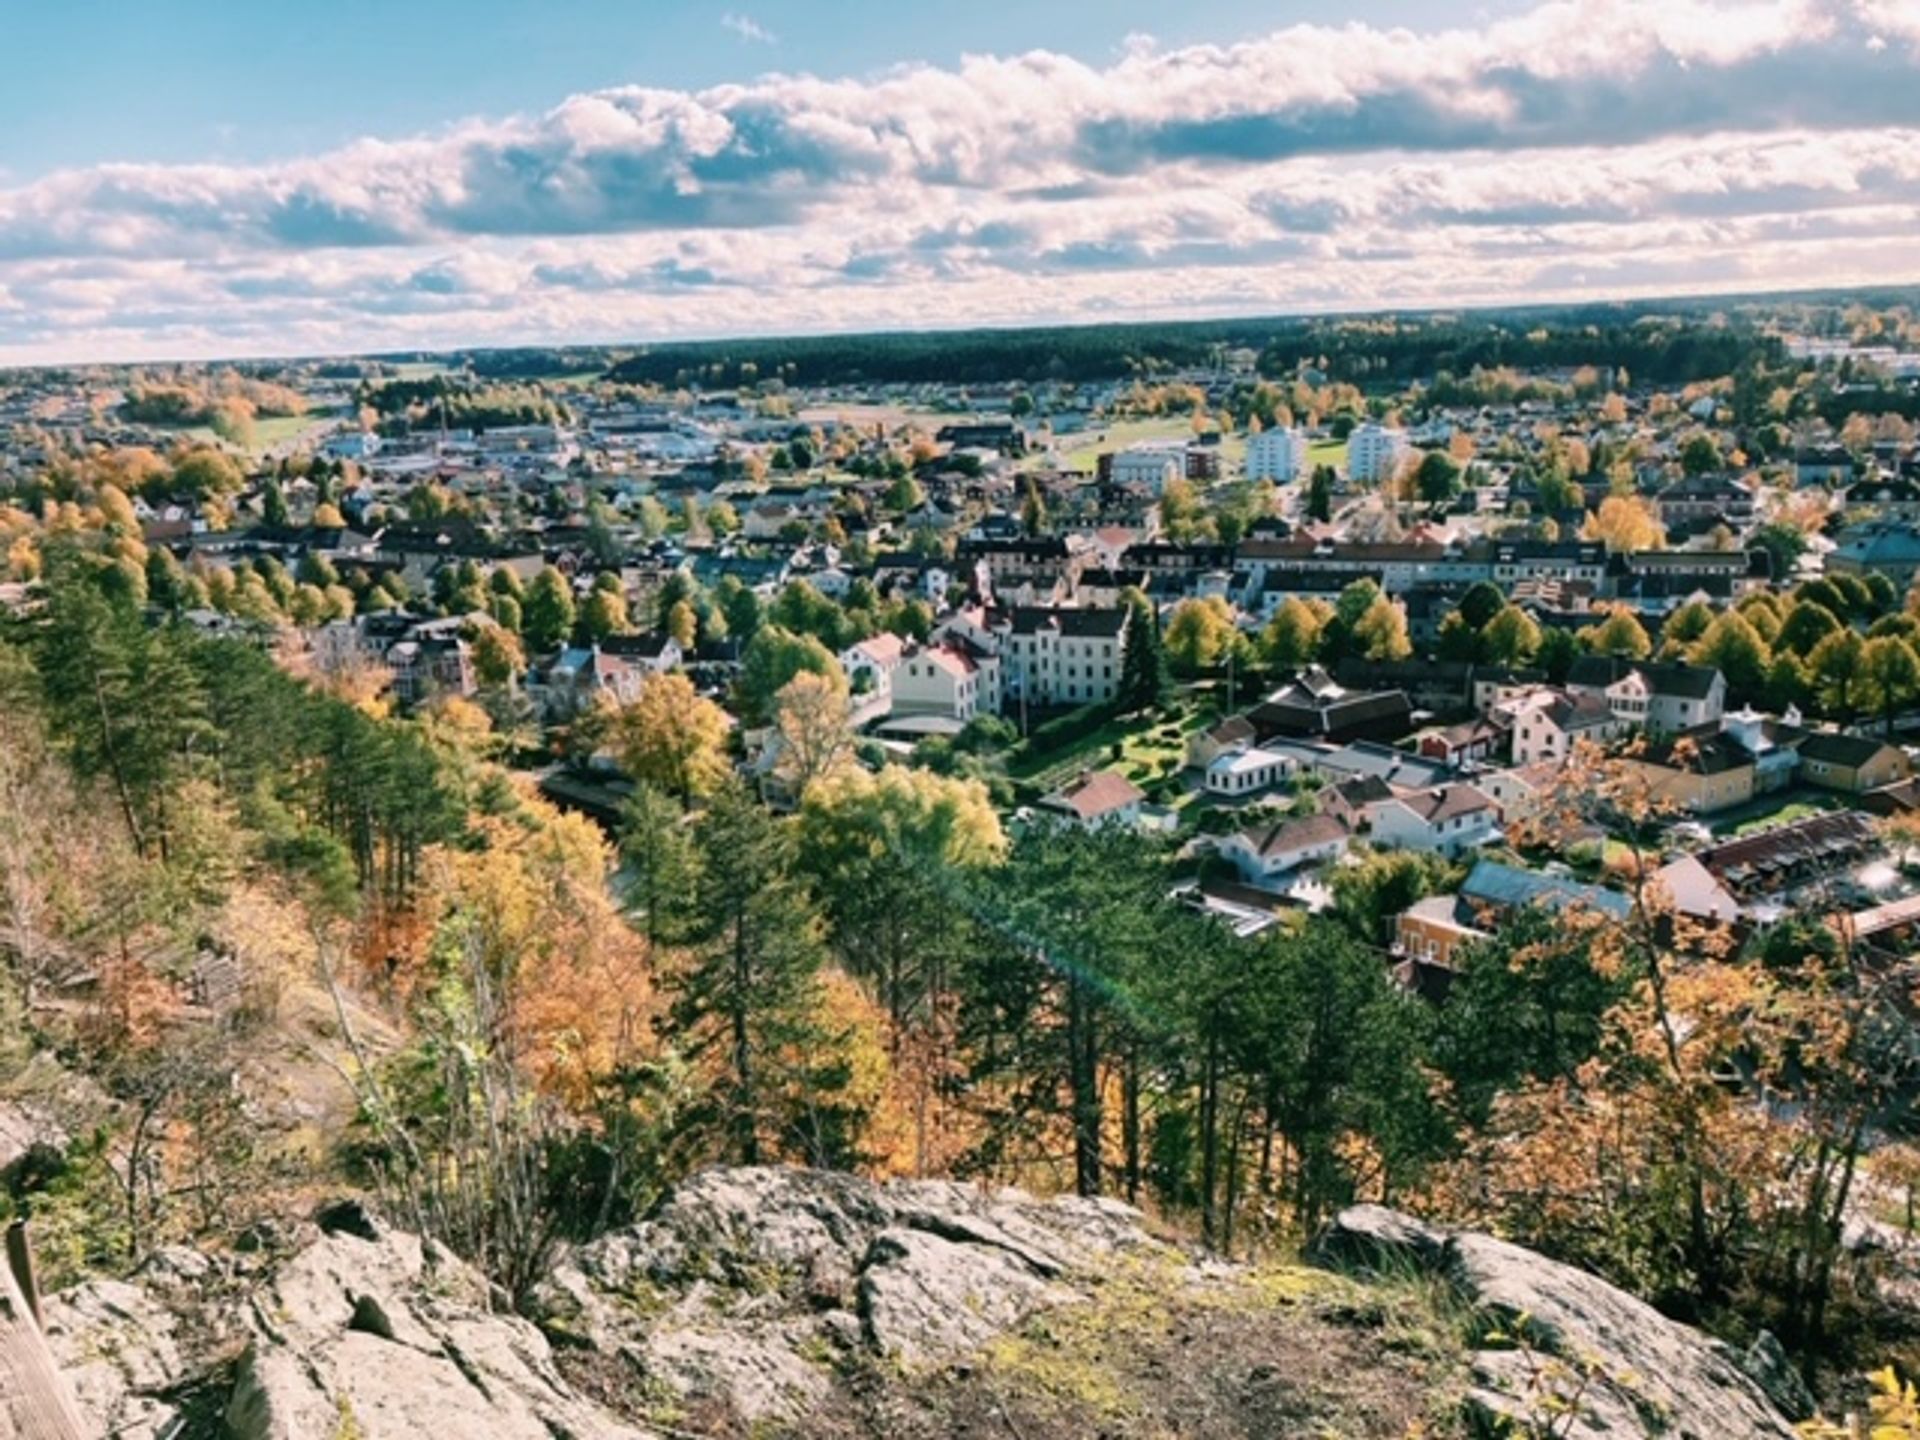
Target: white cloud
(1597, 147)
(747, 28)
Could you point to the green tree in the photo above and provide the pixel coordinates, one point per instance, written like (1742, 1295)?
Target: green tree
(1143, 662)
(1438, 478)
(1621, 633)
(1806, 625)
(1200, 634)
(1836, 670)
(1733, 647)
(1701, 455)
(1482, 601)
(1293, 635)
(1889, 676)
(656, 841)
(1511, 637)
(1320, 494)
(1381, 633)
(751, 996)
(773, 657)
(548, 613)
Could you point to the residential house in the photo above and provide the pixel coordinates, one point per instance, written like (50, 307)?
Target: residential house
(1548, 724)
(1890, 497)
(1853, 764)
(1098, 798)
(1236, 774)
(654, 652)
(1828, 465)
(1523, 790)
(1468, 742)
(1225, 736)
(1351, 801)
(1432, 930)
(1704, 500)
(945, 679)
(1316, 706)
(869, 664)
(1053, 656)
(1445, 820)
(1892, 550)
(1268, 852)
(1702, 771)
(578, 675)
(1664, 698)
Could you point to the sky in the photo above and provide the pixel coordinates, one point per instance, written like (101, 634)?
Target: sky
(192, 180)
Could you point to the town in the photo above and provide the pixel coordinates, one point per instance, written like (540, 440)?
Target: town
(1269, 618)
(1243, 770)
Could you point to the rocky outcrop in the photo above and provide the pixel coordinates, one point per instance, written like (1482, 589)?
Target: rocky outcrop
(747, 1284)
(783, 1301)
(1555, 1336)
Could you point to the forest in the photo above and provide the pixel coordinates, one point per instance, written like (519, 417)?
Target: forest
(531, 1027)
(1658, 342)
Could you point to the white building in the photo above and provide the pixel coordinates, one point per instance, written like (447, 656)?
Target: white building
(943, 680)
(871, 662)
(1374, 453)
(1096, 799)
(1150, 464)
(1446, 820)
(1279, 454)
(1048, 656)
(1248, 772)
(1275, 849)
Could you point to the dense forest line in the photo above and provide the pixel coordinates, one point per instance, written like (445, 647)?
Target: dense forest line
(1669, 342)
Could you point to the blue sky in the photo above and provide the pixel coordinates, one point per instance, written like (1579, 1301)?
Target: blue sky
(184, 181)
(159, 80)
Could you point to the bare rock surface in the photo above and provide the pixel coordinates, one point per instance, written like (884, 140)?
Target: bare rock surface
(764, 1301)
(1626, 1369)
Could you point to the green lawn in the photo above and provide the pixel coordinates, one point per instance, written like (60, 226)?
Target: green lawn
(1144, 750)
(1082, 451)
(1327, 452)
(1770, 810)
(278, 429)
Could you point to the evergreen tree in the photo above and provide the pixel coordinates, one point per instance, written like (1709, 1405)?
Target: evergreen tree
(751, 997)
(1320, 494)
(1143, 667)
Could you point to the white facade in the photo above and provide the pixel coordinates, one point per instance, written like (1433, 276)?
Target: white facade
(1279, 454)
(1448, 820)
(1151, 465)
(1374, 453)
(1248, 772)
(940, 680)
(1261, 856)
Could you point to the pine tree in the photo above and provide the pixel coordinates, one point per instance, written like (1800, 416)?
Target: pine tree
(1143, 665)
(1320, 494)
(752, 995)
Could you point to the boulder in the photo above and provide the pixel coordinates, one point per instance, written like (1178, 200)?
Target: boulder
(372, 1332)
(1555, 1334)
(120, 1347)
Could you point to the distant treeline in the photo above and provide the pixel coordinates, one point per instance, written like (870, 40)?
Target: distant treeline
(456, 402)
(1667, 347)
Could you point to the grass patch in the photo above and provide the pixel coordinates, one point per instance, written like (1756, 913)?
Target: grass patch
(1770, 811)
(1327, 452)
